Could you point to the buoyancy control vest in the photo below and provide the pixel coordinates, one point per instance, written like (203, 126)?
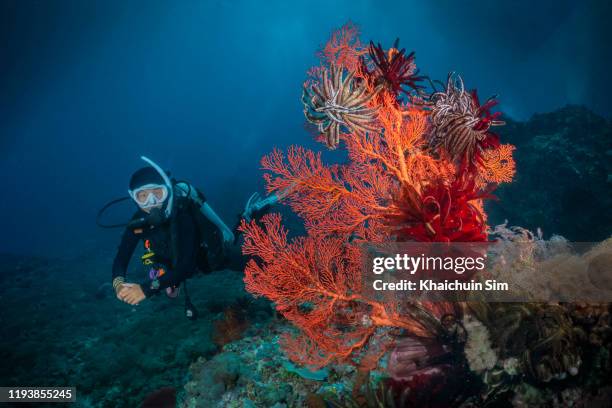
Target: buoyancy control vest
(189, 198)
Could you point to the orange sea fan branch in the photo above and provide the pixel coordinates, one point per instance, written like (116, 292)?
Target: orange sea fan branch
(315, 188)
(317, 284)
(344, 47)
(498, 165)
(399, 148)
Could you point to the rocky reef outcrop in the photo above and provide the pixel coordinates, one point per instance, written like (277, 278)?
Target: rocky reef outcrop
(563, 181)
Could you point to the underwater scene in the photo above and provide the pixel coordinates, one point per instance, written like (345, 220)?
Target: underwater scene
(349, 204)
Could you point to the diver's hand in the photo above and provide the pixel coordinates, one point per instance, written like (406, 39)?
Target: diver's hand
(228, 236)
(118, 289)
(131, 293)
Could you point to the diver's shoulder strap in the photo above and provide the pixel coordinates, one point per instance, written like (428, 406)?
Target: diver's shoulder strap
(185, 189)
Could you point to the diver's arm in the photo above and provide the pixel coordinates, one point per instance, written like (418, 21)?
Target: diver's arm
(228, 235)
(126, 248)
(187, 244)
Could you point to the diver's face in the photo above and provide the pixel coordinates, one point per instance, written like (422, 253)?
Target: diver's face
(158, 192)
(150, 198)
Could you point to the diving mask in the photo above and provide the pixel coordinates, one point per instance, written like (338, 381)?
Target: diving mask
(150, 195)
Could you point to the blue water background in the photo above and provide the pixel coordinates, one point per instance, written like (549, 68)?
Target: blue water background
(207, 87)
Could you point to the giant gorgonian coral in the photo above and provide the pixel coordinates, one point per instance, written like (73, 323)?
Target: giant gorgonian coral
(392, 187)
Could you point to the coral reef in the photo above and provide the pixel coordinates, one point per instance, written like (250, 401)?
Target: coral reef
(478, 351)
(564, 175)
(316, 284)
(72, 330)
(252, 372)
(394, 188)
(232, 325)
(420, 166)
(162, 398)
(420, 171)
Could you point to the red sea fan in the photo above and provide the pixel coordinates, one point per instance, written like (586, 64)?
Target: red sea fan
(317, 284)
(394, 69)
(497, 165)
(344, 47)
(393, 187)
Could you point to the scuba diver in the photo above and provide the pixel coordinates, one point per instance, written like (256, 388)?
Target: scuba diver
(181, 234)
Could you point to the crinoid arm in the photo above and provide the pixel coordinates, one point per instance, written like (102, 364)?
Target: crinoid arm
(460, 125)
(338, 104)
(394, 69)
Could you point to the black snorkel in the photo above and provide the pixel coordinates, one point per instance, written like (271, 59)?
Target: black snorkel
(106, 207)
(154, 218)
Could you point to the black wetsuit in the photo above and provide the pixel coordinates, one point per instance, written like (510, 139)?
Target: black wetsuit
(176, 242)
